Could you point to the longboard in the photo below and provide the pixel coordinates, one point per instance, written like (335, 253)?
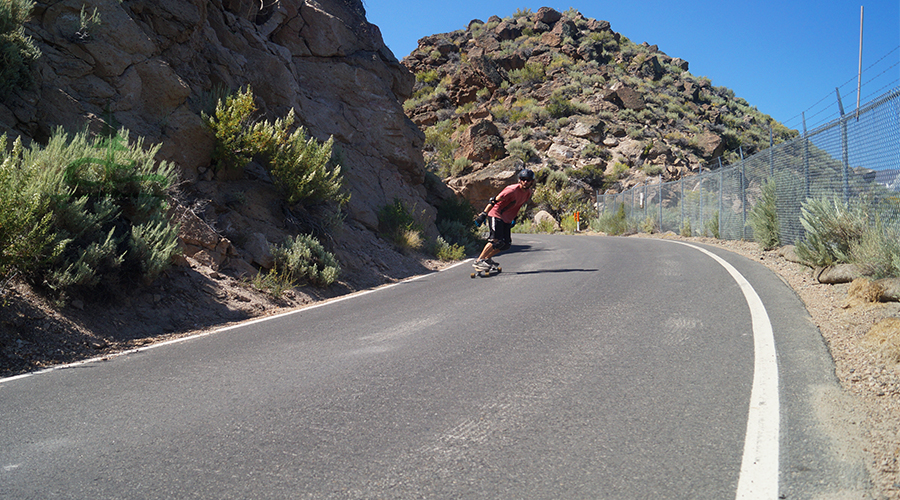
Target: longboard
(485, 274)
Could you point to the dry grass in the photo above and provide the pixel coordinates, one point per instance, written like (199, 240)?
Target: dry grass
(884, 337)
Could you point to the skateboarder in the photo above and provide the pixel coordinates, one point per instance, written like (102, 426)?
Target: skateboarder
(500, 213)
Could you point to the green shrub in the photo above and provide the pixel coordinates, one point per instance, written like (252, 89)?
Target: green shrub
(456, 225)
(529, 74)
(448, 252)
(302, 167)
(559, 106)
(100, 211)
(524, 151)
(305, 169)
(833, 229)
(439, 143)
(614, 222)
(686, 230)
(397, 225)
(17, 50)
(303, 258)
(711, 226)
(763, 218)
(650, 224)
(26, 234)
(878, 251)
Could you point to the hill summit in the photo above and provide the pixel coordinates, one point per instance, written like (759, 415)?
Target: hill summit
(584, 106)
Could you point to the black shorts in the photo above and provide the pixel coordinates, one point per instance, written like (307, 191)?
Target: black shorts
(499, 237)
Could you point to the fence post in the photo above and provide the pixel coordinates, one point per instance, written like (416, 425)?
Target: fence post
(845, 150)
(721, 194)
(700, 222)
(660, 204)
(806, 155)
(680, 229)
(743, 197)
(771, 153)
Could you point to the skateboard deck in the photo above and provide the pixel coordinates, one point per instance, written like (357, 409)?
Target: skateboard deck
(485, 274)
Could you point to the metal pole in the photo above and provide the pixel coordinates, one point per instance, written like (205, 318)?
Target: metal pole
(806, 155)
(859, 77)
(682, 206)
(743, 197)
(721, 194)
(845, 153)
(771, 153)
(660, 204)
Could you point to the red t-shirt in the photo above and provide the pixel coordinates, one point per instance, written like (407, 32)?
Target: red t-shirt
(509, 201)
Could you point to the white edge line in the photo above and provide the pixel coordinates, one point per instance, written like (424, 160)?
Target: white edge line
(226, 328)
(759, 466)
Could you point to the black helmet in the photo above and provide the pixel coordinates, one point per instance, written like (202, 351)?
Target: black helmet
(526, 175)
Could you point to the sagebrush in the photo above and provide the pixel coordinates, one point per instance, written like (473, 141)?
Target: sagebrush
(84, 211)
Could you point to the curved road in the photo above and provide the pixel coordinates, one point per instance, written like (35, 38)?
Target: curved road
(592, 367)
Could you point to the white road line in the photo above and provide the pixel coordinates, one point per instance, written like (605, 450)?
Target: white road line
(225, 328)
(759, 467)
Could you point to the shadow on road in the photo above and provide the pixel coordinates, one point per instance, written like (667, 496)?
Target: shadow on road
(558, 271)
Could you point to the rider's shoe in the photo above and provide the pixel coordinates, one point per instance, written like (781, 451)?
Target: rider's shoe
(481, 265)
(494, 264)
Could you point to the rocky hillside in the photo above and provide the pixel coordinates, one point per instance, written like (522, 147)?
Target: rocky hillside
(154, 66)
(566, 94)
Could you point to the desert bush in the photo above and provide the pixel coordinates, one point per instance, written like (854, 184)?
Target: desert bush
(650, 224)
(448, 251)
(17, 50)
(304, 168)
(833, 229)
(524, 151)
(763, 218)
(439, 143)
(529, 74)
(26, 234)
(456, 225)
(711, 226)
(397, 225)
(303, 258)
(878, 251)
(612, 222)
(99, 206)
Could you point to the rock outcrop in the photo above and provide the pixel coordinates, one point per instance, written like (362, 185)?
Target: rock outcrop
(579, 98)
(153, 66)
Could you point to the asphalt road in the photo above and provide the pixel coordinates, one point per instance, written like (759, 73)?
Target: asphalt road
(591, 367)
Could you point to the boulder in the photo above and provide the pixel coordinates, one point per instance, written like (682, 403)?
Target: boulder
(547, 16)
(482, 142)
(478, 187)
(789, 253)
(260, 250)
(591, 128)
(839, 273)
(709, 145)
(544, 217)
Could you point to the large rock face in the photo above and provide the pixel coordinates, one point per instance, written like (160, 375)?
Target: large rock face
(152, 66)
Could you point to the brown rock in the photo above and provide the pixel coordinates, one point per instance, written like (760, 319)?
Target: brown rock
(547, 16)
(482, 142)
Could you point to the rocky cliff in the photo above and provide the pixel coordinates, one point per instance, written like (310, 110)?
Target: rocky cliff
(153, 66)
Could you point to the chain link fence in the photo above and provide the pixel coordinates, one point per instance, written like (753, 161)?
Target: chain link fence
(853, 158)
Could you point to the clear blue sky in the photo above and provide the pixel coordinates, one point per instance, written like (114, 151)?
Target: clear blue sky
(784, 57)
